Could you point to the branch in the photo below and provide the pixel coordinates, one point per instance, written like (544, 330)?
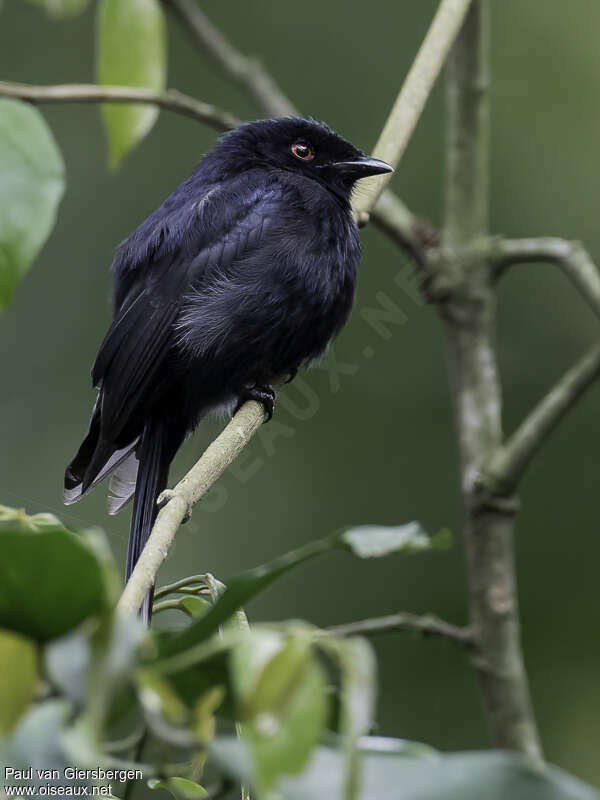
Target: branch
(395, 217)
(177, 503)
(413, 95)
(571, 257)
(470, 321)
(171, 100)
(247, 72)
(505, 469)
(426, 625)
(410, 232)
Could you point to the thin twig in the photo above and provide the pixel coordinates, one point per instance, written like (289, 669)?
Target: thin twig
(426, 625)
(571, 257)
(502, 474)
(179, 501)
(245, 71)
(413, 95)
(394, 215)
(171, 100)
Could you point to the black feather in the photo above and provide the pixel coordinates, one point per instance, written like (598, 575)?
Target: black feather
(243, 274)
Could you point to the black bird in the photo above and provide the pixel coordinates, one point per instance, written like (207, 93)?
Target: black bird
(242, 275)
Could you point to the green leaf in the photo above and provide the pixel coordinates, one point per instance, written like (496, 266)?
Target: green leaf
(66, 661)
(281, 693)
(19, 657)
(132, 51)
(398, 747)
(37, 740)
(158, 697)
(180, 788)
(32, 182)
(46, 739)
(62, 8)
(359, 684)
(204, 712)
(461, 776)
(365, 542)
(94, 660)
(194, 606)
(375, 541)
(51, 579)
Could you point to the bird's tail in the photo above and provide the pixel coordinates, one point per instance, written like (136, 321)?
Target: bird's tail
(154, 460)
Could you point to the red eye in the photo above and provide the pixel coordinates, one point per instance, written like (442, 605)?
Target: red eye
(303, 151)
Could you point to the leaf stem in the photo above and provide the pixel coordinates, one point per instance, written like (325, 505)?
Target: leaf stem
(166, 605)
(184, 583)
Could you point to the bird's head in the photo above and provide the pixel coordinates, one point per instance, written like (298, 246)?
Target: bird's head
(302, 146)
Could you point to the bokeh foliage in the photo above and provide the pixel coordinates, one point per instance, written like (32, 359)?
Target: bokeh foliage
(309, 476)
(105, 683)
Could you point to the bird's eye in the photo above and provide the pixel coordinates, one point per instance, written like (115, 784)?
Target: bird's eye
(303, 151)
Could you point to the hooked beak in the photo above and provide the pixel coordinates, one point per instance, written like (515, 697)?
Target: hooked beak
(363, 167)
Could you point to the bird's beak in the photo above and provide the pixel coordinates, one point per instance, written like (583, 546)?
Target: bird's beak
(363, 167)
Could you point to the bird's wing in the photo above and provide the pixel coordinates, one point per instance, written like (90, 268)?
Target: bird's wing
(130, 367)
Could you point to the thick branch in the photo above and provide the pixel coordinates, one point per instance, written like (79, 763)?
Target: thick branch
(413, 95)
(571, 257)
(171, 100)
(179, 501)
(505, 469)
(245, 71)
(469, 316)
(426, 625)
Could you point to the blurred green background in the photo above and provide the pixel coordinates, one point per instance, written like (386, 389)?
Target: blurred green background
(380, 447)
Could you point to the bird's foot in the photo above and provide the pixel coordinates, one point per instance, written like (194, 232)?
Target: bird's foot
(262, 394)
(166, 496)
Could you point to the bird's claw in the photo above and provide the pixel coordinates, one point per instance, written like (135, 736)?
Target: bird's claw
(262, 394)
(165, 497)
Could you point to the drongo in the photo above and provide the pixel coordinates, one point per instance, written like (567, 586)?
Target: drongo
(244, 273)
